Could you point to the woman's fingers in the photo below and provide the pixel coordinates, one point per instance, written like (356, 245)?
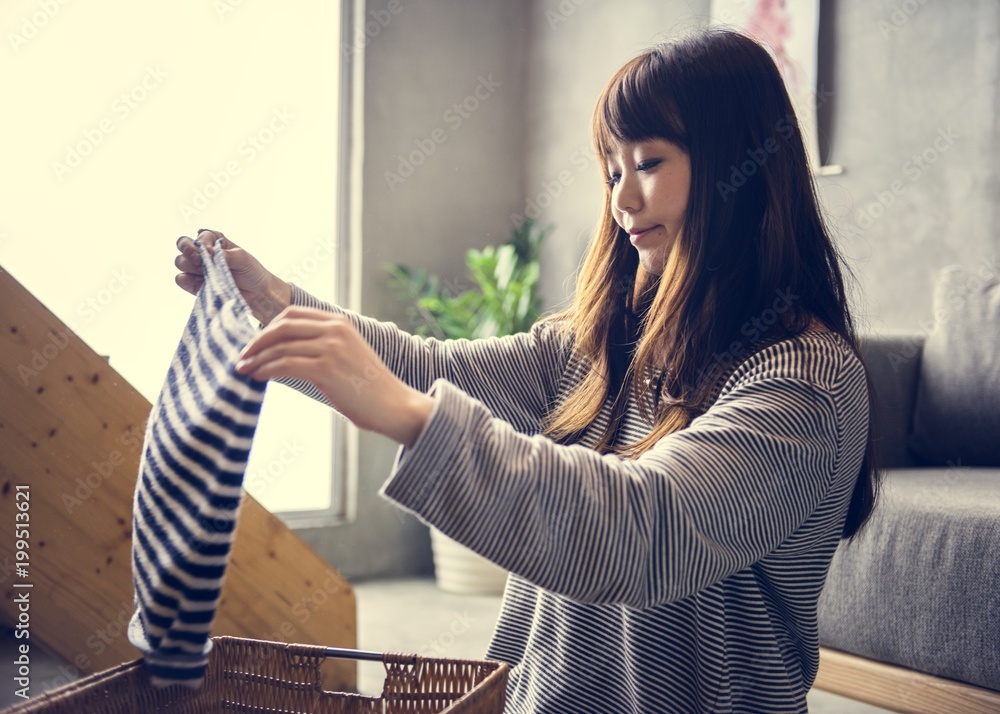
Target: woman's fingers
(333, 354)
(264, 292)
(186, 264)
(188, 261)
(210, 239)
(191, 283)
(293, 324)
(188, 253)
(187, 246)
(328, 351)
(289, 364)
(305, 346)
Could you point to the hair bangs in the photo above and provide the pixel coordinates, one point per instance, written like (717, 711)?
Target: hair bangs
(638, 104)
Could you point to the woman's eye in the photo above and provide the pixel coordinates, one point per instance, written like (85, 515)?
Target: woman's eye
(614, 177)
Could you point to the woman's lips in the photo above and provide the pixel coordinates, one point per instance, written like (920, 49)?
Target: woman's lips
(636, 237)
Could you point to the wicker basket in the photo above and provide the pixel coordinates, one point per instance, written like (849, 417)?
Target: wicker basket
(261, 677)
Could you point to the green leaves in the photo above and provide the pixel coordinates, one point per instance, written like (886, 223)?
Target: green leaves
(504, 300)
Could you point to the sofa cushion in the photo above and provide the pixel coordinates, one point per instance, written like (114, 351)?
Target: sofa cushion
(918, 587)
(957, 414)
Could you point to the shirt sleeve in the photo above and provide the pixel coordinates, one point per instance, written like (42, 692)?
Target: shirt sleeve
(516, 376)
(702, 504)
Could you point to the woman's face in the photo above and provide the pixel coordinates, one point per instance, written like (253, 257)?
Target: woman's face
(650, 181)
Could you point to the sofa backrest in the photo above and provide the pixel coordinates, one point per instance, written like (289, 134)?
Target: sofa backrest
(893, 361)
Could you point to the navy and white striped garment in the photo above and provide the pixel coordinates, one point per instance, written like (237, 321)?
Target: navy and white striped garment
(190, 483)
(682, 581)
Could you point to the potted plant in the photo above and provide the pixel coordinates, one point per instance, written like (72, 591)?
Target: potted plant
(503, 301)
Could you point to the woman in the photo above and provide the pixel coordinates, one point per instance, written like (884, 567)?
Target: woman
(667, 466)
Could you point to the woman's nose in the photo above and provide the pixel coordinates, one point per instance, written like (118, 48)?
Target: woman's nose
(626, 197)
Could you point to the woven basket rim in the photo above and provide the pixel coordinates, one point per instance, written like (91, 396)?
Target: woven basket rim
(406, 676)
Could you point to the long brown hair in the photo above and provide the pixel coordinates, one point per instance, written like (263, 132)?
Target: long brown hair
(752, 235)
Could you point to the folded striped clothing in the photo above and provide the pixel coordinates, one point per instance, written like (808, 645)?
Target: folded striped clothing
(195, 453)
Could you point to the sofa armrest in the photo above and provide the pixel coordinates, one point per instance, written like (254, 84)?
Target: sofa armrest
(893, 361)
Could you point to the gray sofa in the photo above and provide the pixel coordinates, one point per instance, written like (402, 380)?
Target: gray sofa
(920, 588)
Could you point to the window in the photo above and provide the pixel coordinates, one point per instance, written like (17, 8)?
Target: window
(129, 124)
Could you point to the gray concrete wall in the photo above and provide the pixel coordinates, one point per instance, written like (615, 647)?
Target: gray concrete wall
(575, 48)
(442, 172)
(913, 121)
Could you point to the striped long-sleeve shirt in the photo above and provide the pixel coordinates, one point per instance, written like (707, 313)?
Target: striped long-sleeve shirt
(685, 580)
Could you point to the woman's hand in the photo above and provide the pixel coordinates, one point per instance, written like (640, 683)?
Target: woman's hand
(327, 350)
(265, 292)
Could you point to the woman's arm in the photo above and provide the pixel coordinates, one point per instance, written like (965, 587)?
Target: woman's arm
(704, 503)
(516, 376)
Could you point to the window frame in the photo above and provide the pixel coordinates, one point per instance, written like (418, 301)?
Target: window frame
(345, 442)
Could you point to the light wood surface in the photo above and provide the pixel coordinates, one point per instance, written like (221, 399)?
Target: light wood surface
(898, 689)
(71, 429)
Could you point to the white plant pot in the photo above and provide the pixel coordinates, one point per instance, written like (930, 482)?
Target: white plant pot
(460, 570)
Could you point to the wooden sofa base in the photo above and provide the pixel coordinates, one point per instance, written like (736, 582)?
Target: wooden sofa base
(899, 689)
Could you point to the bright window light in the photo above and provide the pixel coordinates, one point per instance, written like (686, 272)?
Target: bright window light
(129, 124)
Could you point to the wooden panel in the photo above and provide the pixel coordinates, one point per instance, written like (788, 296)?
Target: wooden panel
(899, 689)
(71, 430)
